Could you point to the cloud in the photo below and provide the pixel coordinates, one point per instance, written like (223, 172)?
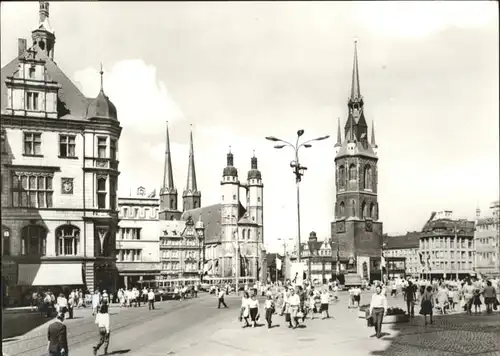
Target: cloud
(418, 19)
(142, 101)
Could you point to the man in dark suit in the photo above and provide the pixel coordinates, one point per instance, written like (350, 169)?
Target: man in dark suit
(58, 337)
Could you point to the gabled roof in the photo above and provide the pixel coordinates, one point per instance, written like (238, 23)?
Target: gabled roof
(211, 217)
(362, 148)
(171, 228)
(72, 104)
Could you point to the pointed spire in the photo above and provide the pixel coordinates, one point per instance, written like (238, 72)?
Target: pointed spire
(168, 173)
(191, 185)
(373, 142)
(102, 81)
(339, 135)
(355, 89)
(253, 161)
(230, 158)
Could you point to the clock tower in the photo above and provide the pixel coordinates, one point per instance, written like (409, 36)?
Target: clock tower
(356, 230)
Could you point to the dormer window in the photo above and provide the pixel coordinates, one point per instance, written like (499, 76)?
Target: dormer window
(31, 101)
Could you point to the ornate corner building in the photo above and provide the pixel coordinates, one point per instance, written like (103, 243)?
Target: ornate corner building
(356, 231)
(59, 174)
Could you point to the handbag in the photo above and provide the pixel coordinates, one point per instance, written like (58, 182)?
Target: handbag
(245, 313)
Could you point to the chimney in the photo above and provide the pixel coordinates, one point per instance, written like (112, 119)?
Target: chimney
(21, 46)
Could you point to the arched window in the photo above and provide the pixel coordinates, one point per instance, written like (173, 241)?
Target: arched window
(352, 172)
(171, 203)
(364, 210)
(341, 176)
(68, 239)
(243, 234)
(33, 240)
(249, 234)
(342, 209)
(5, 241)
(368, 177)
(373, 212)
(353, 206)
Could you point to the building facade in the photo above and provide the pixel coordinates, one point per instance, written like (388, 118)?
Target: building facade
(356, 231)
(137, 239)
(404, 247)
(447, 246)
(321, 261)
(487, 242)
(59, 174)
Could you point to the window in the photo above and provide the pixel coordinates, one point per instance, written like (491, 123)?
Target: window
(368, 177)
(129, 255)
(364, 210)
(243, 234)
(136, 212)
(31, 191)
(31, 101)
(112, 193)
(5, 241)
(32, 143)
(353, 206)
(258, 199)
(352, 172)
(341, 176)
(33, 240)
(373, 211)
(68, 239)
(31, 72)
(125, 212)
(101, 147)
(101, 193)
(67, 145)
(113, 148)
(234, 196)
(223, 198)
(342, 209)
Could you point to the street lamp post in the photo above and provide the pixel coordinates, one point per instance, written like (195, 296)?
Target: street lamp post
(312, 249)
(200, 231)
(298, 171)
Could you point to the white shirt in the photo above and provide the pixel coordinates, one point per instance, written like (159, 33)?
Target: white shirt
(244, 302)
(378, 301)
(324, 298)
(253, 303)
(221, 294)
(151, 296)
(294, 300)
(62, 302)
(102, 321)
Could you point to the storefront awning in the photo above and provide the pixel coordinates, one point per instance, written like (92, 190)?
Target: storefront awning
(50, 274)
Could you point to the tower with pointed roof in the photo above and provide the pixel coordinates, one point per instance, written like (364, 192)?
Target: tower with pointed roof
(44, 36)
(191, 197)
(255, 197)
(356, 228)
(230, 214)
(168, 192)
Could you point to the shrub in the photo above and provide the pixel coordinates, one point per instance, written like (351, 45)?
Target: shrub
(395, 311)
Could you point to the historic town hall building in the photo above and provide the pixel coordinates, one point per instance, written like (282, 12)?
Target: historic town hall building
(59, 174)
(356, 230)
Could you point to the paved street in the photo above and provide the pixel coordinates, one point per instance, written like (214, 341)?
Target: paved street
(197, 327)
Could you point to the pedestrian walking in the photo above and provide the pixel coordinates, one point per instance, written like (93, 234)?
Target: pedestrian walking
(269, 308)
(96, 300)
(151, 299)
(409, 297)
(244, 312)
(62, 304)
(378, 307)
(254, 310)
(294, 302)
(489, 294)
(58, 337)
(220, 297)
(427, 304)
(103, 325)
(325, 300)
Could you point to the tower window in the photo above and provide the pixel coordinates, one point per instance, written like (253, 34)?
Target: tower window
(101, 193)
(352, 172)
(341, 176)
(353, 205)
(368, 177)
(101, 147)
(342, 209)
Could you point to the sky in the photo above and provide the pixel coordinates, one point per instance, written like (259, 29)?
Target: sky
(239, 71)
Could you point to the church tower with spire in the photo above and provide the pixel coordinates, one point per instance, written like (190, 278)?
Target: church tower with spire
(168, 192)
(191, 197)
(356, 230)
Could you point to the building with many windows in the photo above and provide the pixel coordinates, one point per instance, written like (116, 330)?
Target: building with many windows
(404, 248)
(447, 246)
(59, 156)
(320, 261)
(137, 239)
(487, 241)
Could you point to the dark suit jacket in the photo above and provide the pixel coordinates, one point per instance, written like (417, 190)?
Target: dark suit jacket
(58, 337)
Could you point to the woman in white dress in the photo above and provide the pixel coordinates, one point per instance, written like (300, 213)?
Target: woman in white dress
(244, 311)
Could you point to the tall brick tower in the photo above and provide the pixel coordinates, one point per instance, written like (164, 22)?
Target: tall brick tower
(356, 231)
